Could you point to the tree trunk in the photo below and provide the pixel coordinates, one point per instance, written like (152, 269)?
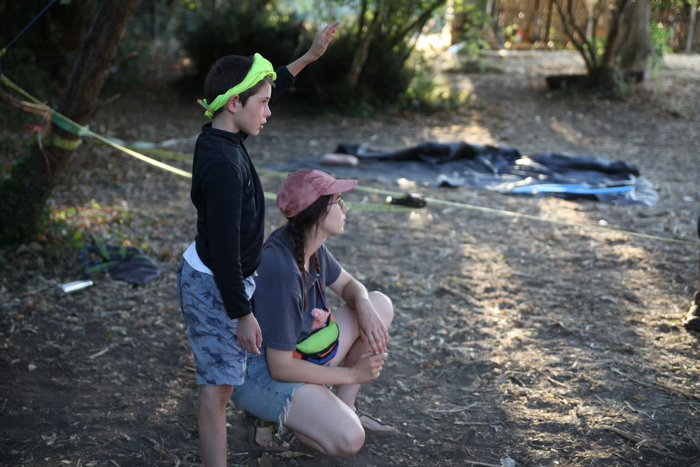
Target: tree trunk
(693, 5)
(634, 46)
(365, 39)
(24, 195)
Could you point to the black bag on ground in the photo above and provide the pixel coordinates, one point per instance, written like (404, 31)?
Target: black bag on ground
(124, 263)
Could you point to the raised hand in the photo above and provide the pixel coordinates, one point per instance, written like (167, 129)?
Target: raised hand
(322, 39)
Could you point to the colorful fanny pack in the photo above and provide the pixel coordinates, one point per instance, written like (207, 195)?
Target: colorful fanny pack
(321, 346)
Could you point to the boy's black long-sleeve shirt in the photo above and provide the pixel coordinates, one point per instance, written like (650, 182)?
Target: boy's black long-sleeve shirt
(230, 203)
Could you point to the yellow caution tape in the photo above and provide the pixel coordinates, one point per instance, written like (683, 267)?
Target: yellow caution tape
(500, 212)
(357, 206)
(5, 80)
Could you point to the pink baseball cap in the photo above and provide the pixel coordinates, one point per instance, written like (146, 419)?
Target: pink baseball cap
(301, 188)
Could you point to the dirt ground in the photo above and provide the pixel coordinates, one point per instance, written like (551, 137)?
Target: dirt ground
(515, 341)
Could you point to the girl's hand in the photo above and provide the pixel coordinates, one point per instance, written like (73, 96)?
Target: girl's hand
(322, 40)
(372, 330)
(368, 367)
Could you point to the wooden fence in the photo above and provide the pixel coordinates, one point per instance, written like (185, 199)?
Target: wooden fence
(532, 21)
(524, 23)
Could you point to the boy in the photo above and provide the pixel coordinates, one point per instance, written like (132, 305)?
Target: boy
(215, 276)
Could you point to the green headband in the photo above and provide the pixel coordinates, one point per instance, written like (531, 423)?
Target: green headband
(260, 69)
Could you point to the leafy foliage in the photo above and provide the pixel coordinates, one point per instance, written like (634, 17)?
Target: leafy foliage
(477, 22)
(389, 24)
(241, 32)
(368, 67)
(661, 39)
(364, 69)
(326, 82)
(669, 26)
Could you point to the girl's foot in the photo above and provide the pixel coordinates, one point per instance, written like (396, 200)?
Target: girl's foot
(262, 436)
(374, 426)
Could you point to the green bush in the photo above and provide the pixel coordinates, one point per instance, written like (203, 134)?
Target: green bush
(661, 38)
(324, 84)
(383, 79)
(237, 32)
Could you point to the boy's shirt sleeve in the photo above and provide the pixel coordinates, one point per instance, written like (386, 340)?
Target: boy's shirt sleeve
(223, 189)
(284, 81)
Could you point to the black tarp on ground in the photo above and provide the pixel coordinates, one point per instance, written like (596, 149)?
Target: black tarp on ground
(504, 170)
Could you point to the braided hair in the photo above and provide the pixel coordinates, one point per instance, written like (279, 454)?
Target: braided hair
(300, 226)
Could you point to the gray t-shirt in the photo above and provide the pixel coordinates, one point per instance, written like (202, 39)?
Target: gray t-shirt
(278, 297)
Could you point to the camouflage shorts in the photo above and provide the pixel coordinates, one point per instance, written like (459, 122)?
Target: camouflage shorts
(218, 357)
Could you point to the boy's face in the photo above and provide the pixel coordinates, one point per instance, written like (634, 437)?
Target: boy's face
(251, 117)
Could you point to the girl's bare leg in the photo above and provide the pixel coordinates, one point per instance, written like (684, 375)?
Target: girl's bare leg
(323, 422)
(353, 346)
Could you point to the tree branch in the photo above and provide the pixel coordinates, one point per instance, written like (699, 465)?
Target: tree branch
(613, 31)
(570, 35)
(361, 55)
(123, 58)
(584, 38)
(425, 16)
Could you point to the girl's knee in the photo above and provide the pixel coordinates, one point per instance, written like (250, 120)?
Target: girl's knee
(349, 442)
(382, 304)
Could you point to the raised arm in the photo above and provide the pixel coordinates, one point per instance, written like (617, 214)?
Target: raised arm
(318, 48)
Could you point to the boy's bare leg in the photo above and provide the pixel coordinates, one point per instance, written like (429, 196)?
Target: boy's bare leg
(211, 423)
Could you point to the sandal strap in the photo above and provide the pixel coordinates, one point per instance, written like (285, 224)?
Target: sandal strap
(257, 422)
(362, 413)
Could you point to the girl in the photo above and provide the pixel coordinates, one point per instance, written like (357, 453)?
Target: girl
(306, 346)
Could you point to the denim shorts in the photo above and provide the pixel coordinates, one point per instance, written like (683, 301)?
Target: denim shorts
(218, 357)
(262, 395)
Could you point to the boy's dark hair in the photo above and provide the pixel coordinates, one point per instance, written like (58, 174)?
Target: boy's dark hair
(227, 72)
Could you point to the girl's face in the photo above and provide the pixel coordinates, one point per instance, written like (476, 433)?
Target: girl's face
(334, 222)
